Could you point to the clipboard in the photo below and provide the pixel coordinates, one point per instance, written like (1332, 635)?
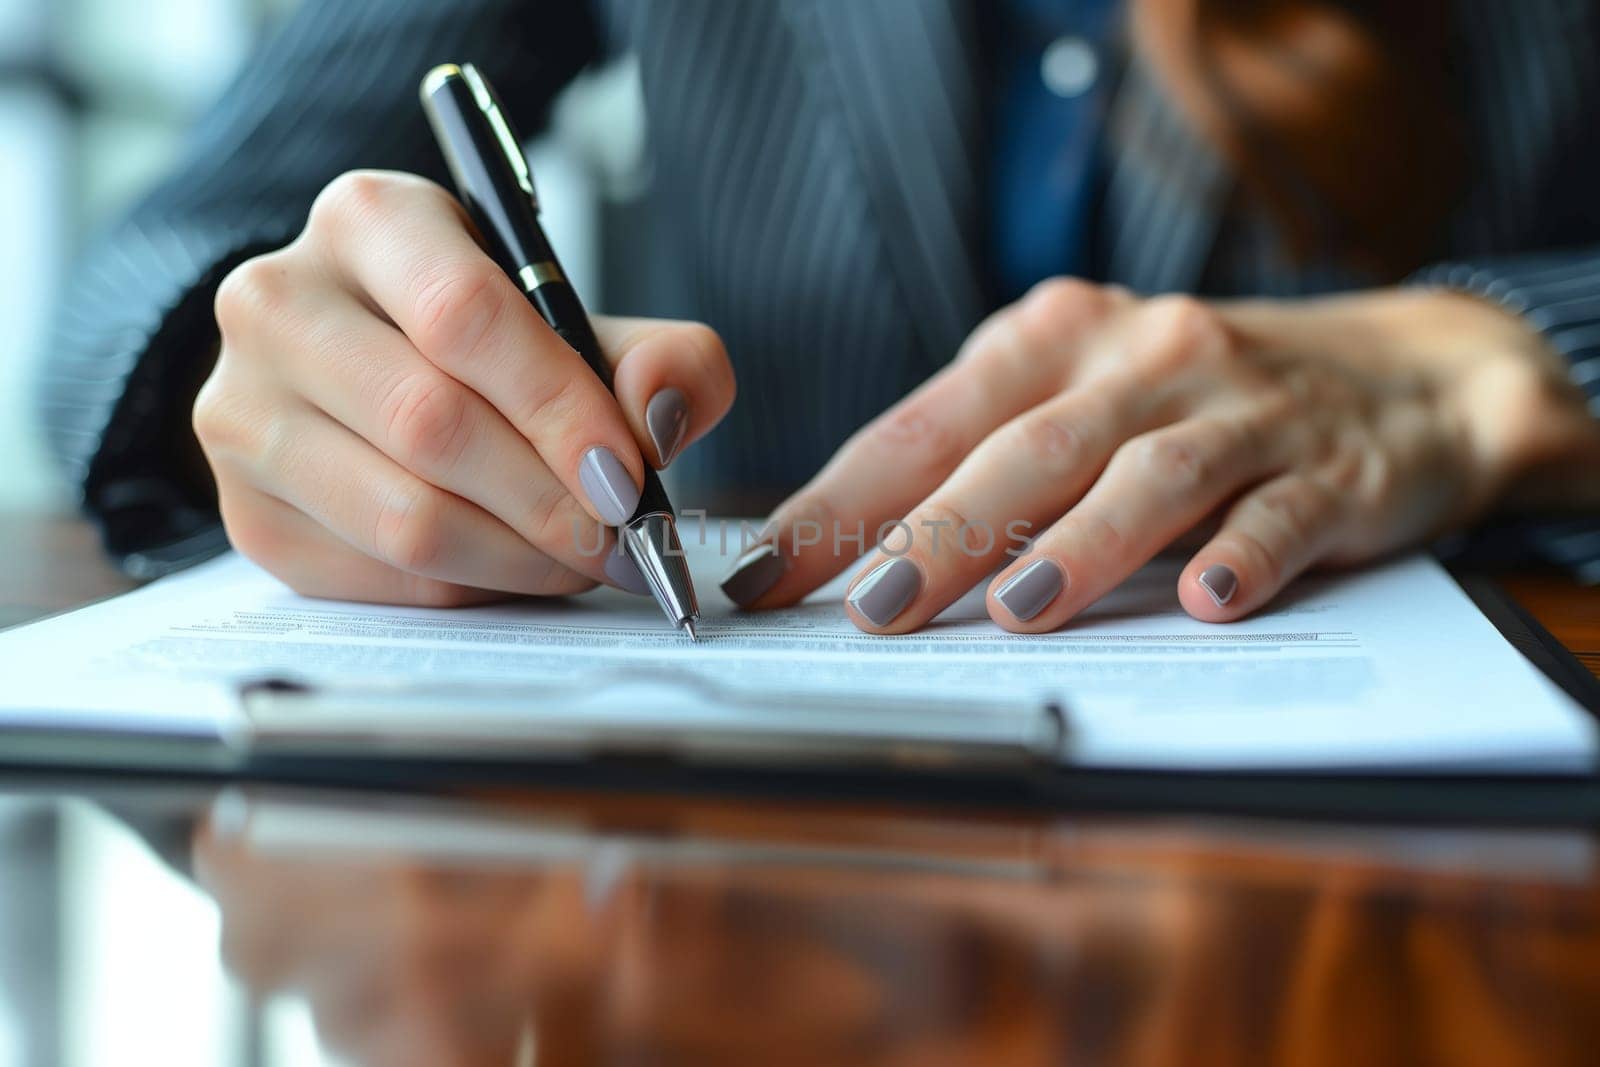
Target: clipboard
(966, 773)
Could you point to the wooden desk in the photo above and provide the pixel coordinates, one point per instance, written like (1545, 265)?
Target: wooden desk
(1569, 611)
(670, 929)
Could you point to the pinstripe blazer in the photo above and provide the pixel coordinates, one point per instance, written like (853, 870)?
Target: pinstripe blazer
(822, 166)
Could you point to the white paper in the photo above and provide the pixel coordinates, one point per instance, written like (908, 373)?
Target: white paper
(1390, 667)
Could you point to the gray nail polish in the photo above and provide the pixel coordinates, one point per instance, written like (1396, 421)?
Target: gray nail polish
(1220, 582)
(667, 418)
(622, 570)
(611, 490)
(1031, 589)
(754, 573)
(885, 592)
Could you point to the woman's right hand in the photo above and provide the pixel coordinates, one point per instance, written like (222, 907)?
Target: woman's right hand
(390, 420)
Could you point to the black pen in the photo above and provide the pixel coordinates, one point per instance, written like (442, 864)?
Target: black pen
(496, 187)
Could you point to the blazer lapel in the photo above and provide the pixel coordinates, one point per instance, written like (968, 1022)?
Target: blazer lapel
(904, 74)
(1165, 193)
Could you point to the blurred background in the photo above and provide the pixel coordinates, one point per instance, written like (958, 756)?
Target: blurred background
(95, 96)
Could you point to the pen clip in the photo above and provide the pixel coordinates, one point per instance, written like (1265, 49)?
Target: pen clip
(489, 104)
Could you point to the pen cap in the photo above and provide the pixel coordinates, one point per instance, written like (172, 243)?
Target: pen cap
(486, 161)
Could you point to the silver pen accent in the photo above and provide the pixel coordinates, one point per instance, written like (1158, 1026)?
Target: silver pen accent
(651, 541)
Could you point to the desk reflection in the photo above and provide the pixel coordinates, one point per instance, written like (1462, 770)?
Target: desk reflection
(571, 930)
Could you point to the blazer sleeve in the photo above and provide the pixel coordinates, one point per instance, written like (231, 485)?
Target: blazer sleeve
(334, 88)
(1558, 294)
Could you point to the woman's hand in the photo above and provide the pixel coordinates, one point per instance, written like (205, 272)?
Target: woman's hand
(389, 419)
(1106, 428)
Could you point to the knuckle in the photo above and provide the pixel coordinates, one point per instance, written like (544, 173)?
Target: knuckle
(357, 198)
(251, 533)
(352, 197)
(1049, 317)
(1293, 515)
(207, 417)
(1281, 399)
(1059, 303)
(409, 533)
(1178, 332)
(1267, 564)
(254, 291)
(1182, 317)
(457, 305)
(1283, 524)
(1379, 481)
(1049, 445)
(428, 420)
(224, 423)
(1177, 463)
(938, 525)
(1261, 436)
(555, 521)
(1343, 471)
(1097, 535)
(917, 436)
(559, 402)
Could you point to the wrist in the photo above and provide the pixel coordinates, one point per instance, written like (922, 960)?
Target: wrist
(1527, 420)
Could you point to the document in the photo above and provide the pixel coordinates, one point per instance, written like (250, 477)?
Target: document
(1384, 669)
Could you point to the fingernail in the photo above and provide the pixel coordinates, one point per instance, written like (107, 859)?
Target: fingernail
(667, 418)
(610, 487)
(885, 592)
(621, 569)
(1220, 582)
(754, 573)
(1031, 589)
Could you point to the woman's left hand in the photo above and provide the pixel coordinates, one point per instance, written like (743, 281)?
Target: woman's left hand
(1105, 428)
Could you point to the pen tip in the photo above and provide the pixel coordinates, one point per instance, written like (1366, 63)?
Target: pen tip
(688, 625)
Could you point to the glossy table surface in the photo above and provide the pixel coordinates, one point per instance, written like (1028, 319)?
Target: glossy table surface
(147, 921)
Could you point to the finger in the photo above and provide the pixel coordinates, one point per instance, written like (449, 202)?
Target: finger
(366, 375)
(1014, 361)
(303, 555)
(1023, 476)
(673, 380)
(1268, 539)
(384, 511)
(404, 242)
(1156, 486)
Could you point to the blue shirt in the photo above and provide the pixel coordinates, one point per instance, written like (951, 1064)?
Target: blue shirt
(1051, 71)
